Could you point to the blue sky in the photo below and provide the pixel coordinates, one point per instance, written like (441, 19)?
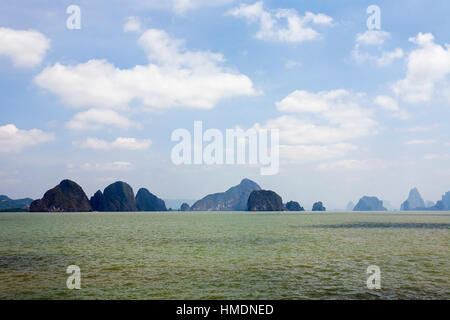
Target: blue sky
(360, 112)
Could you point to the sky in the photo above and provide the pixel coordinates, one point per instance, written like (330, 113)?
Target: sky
(360, 111)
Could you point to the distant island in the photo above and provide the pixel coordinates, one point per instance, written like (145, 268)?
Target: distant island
(119, 196)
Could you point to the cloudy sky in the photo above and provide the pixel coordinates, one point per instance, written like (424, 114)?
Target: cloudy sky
(360, 112)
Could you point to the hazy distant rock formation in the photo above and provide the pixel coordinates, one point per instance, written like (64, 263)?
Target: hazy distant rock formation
(446, 200)
(119, 196)
(429, 204)
(388, 205)
(294, 206)
(97, 201)
(369, 204)
(65, 197)
(350, 206)
(7, 203)
(234, 199)
(413, 202)
(146, 201)
(442, 205)
(185, 207)
(318, 206)
(264, 200)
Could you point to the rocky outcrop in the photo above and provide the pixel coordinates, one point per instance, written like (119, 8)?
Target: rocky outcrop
(119, 196)
(185, 207)
(429, 204)
(446, 200)
(65, 197)
(146, 201)
(318, 206)
(369, 204)
(234, 199)
(413, 202)
(294, 206)
(7, 203)
(97, 201)
(439, 206)
(264, 200)
(350, 206)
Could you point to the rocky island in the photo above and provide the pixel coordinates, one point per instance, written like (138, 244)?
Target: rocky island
(264, 200)
(369, 204)
(294, 206)
(65, 197)
(234, 199)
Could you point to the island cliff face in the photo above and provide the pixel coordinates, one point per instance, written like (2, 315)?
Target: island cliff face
(146, 201)
(234, 199)
(294, 206)
(65, 197)
(413, 202)
(97, 201)
(264, 200)
(369, 204)
(119, 196)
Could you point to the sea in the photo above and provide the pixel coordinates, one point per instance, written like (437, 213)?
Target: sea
(225, 255)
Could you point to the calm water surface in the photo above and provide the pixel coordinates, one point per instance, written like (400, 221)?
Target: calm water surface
(236, 255)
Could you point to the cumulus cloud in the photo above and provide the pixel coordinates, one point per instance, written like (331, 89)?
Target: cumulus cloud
(176, 77)
(372, 37)
(13, 139)
(94, 119)
(25, 48)
(132, 24)
(271, 24)
(334, 116)
(427, 66)
(362, 52)
(390, 104)
(119, 143)
(320, 124)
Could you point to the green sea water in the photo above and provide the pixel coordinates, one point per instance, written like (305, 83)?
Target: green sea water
(218, 255)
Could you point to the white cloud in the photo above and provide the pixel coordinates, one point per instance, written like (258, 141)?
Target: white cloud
(372, 37)
(291, 64)
(433, 156)
(338, 112)
(447, 144)
(106, 166)
(13, 139)
(420, 141)
(419, 128)
(387, 57)
(306, 153)
(369, 164)
(428, 65)
(26, 48)
(119, 143)
(176, 78)
(132, 24)
(389, 104)
(298, 28)
(382, 59)
(321, 124)
(94, 119)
